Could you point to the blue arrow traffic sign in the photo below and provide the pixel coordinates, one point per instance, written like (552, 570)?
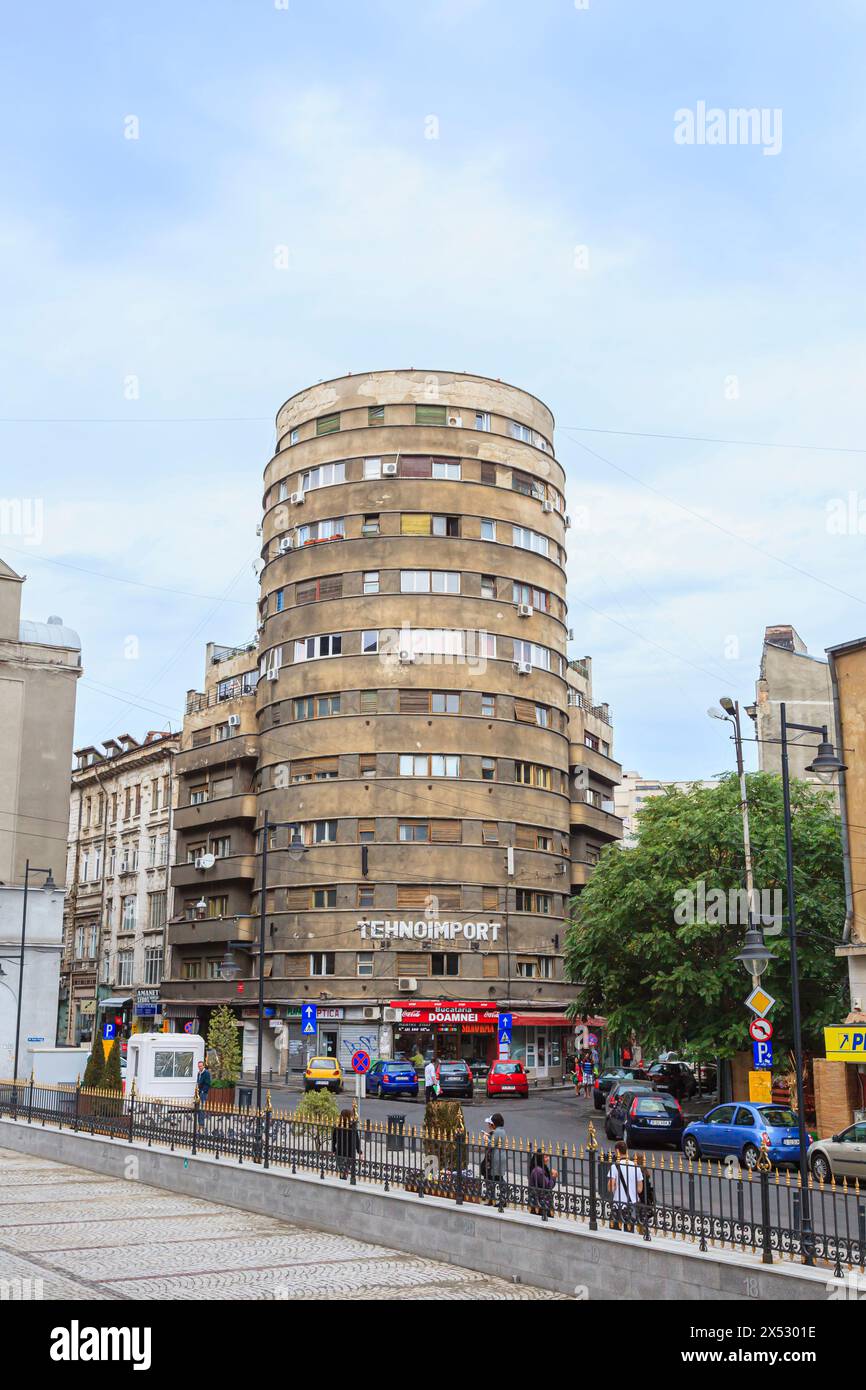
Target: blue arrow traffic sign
(762, 1053)
(309, 1019)
(505, 1028)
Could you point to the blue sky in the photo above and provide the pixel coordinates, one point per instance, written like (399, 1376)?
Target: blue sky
(720, 295)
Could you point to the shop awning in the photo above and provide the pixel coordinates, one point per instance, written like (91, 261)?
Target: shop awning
(552, 1021)
(116, 1003)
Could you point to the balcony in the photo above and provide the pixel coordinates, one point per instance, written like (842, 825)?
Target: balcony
(219, 753)
(589, 817)
(235, 688)
(227, 868)
(209, 930)
(241, 806)
(597, 762)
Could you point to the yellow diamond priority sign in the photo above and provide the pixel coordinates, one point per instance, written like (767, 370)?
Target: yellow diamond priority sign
(760, 1002)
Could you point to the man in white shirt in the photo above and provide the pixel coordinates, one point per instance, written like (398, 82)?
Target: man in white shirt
(625, 1185)
(430, 1082)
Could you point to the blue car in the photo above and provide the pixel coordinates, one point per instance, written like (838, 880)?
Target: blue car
(738, 1128)
(392, 1079)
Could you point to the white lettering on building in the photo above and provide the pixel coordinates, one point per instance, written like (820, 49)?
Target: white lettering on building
(384, 929)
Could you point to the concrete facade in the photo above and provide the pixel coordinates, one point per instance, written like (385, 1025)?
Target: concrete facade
(791, 676)
(440, 773)
(116, 909)
(634, 790)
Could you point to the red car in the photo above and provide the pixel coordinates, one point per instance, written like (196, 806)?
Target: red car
(507, 1079)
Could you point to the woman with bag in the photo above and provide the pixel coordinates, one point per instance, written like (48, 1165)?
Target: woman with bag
(542, 1180)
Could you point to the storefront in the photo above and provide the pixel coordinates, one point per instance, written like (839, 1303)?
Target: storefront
(344, 1029)
(148, 1011)
(446, 1031)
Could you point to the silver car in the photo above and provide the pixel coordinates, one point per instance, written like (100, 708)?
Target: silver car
(843, 1156)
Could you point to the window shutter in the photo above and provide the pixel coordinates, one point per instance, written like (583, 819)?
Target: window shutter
(488, 473)
(446, 832)
(450, 896)
(490, 832)
(431, 414)
(412, 894)
(489, 966)
(415, 524)
(366, 827)
(306, 593)
(414, 701)
(490, 898)
(525, 837)
(314, 767)
(297, 899)
(369, 701)
(416, 466)
(524, 710)
(327, 424)
(331, 586)
(415, 964)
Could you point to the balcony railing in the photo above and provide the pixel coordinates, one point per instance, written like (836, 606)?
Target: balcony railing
(234, 689)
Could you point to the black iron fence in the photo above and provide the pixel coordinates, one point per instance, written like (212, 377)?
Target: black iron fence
(710, 1205)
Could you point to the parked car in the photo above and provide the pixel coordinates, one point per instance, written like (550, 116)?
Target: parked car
(603, 1083)
(507, 1079)
(738, 1128)
(620, 1088)
(455, 1079)
(392, 1078)
(645, 1118)
(843, 1156)
(323, 1073)
(675, 1077)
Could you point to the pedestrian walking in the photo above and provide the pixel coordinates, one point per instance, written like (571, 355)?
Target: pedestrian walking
(542, 1181)
(625, 1185)
(586, 1066)
(345, 1142)
(493, 1160)
(430, 1081)
(203, 1081)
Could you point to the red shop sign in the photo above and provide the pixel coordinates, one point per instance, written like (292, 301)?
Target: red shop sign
(436, 1012)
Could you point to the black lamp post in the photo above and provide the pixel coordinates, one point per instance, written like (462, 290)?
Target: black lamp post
(825, 765)
(48, 886)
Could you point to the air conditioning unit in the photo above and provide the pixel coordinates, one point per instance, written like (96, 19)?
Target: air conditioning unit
(547, 506)
(296, 499)
(524, 610)
(272, 674)
(205, 861)
(524, 668)
(286, 543)
(407, 984)
(370, 1011)
(389, 470)
(571, 634)
(456, 420)
(392, 1015)
(259, 529)
(407, 658)
(233, 721)
(567, 520)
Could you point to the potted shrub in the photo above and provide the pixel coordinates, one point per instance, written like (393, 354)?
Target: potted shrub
(224, 1058)
(443, 1120)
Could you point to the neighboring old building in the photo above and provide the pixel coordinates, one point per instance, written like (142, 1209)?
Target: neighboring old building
(789, 676)
(848, 676)
(418, 725)
(635, 790)
(39, 666)
(117, 885)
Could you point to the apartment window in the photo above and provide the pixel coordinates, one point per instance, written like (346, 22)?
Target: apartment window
(375, 415)
(414, 831)
(373, 468)
(332, 528)
(518, 431)
(488, 474)
(113, 807)
(316, 706)
(591, 854)
(156, 905)
(198, 795)
(191, 970)
(429, 765)
(293, 436)
(489, 832)
(128, 913)
(445, 702)
(367, 764)
(371, 581)
(222, 732)
(527, 539)
(446, 526)
(328, 424)
(371, 524)
(200, 737)
(427, 524)
(153, 965)
(323, 963)
(366, 895)
(431, 415)
(448, 469)
(314, 648)
(212, 968)
(369, 701)
(221, 846)
(365, 964)
(488, 529)
(488, 769)
(324, 832)
(370, 642)
(532, 775)
(527, 969)
(312, 590)
(590, 741)
(545, 967)
(366, 831)
(488, 706)
(482, 420)
(325, 475)
(533, 653)
(490, 898)
(489, 967)
(527, 901)
(314, 769)
(488, 586)
(528, 593)
(525, 483)
(124, 967)
(444, 963)
(324, 897)
(279, 600)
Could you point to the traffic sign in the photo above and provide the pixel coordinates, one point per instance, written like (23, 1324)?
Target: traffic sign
(592, 1040)
(759, 1001)
(760, 1030)
(109, 1031)
(504, 1029)
(762, 1056)
(846, 1044)
(360, 1062)
(187, 1027)
(309, 1020)
(760, 1086)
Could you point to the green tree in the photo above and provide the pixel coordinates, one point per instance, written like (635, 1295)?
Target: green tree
(224, 1046)
(674, 981)
(111, 1077)
(95, 1068)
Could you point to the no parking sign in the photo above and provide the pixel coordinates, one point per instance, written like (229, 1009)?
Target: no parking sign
(360, 1062)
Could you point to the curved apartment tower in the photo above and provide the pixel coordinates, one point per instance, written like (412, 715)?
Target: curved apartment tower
(417, 719)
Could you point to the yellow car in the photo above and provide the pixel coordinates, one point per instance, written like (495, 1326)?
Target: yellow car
(323, 1072)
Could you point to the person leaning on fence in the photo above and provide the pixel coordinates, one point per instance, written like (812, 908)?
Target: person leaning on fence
(493, 1160)
(203, 1081)
(625, 1185)
(542, 1181)
(345, 1141)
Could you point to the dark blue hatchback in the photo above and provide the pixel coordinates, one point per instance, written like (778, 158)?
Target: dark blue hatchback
(392, 1079)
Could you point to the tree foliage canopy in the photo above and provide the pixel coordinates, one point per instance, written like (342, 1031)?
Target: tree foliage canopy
(675, 982)
(223, 1044)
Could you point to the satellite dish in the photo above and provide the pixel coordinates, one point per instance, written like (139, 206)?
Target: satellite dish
(206, 861)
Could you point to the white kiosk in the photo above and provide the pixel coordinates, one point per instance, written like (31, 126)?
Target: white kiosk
(164, 1065)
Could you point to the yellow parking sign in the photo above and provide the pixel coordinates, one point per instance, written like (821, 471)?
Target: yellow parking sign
(846, 1044)
(760, 1086)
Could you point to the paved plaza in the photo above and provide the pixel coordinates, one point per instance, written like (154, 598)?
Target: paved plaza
(85, 1236)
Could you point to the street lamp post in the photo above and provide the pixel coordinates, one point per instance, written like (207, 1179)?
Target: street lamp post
(48, 887)
(732, 715)
(825, 764)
